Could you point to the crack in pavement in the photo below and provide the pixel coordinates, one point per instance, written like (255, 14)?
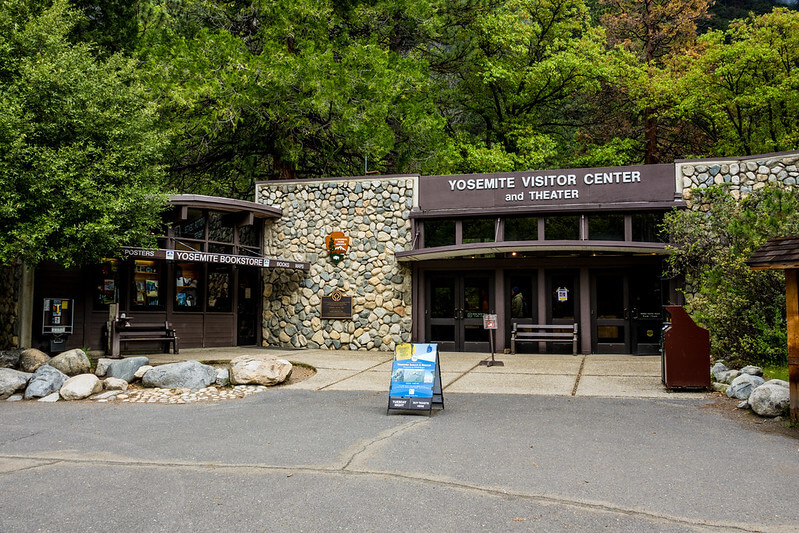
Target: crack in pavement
(364, 448)
(356, 374)
(443, 482)
(579, 375)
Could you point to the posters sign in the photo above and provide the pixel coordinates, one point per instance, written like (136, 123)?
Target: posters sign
(413, 376)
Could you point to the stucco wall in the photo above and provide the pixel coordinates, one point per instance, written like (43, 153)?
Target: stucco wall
(374, 214)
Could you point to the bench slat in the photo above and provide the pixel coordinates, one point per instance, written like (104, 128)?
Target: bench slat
(544, 333)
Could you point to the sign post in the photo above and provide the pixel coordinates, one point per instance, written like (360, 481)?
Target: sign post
(415, 378)
(490, 323)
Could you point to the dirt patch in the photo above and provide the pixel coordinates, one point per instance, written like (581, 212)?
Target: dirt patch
(728, 408)
(299, 373)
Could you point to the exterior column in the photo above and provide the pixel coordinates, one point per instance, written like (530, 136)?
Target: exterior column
(500, 308)
(585, 311)
(792, 312)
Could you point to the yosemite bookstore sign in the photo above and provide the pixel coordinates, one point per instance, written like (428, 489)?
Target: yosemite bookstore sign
(220, 259)
(643, 183)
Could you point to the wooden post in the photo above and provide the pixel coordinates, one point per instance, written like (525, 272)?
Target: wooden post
(792, 313)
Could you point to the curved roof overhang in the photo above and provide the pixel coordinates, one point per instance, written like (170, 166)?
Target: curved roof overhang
(228, 205)
(544, 247)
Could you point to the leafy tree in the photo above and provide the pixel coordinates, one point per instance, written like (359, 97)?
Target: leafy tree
(651, 30)
(742, 89)
(79, 151)
(512, 78)
(743, 309)
(261, 90)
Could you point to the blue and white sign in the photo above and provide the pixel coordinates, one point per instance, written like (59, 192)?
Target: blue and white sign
(413, 376)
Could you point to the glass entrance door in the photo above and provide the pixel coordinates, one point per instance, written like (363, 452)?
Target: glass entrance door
(454, 312)
(626, 311)
(248, 294)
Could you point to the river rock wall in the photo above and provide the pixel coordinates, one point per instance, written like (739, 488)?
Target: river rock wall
(740, 176)
(374, 214)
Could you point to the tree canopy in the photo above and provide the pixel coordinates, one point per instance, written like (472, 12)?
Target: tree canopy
(80, 154)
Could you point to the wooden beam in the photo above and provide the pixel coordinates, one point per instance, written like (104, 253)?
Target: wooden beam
(792, 313)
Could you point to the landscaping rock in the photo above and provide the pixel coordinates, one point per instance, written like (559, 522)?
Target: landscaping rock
(742, 386)
(10, 358)
(260, 369)
(11, 381)
(126, 368)
(728, 376)
(51, 398)
(779, 382)
(31, 359)
(141, 371)
(223, 377)
(717, 369)
(770, 399)
(102, 367)
(72, 362)
(752, 370)
(46, 380)
(15, 398)
(107, 395)
(80, 387)
(188, 374)
(115, 384)
(720, 387)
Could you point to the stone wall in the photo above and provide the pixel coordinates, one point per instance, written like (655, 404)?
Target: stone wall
(374, 214)
(10, 278)
(739, 176)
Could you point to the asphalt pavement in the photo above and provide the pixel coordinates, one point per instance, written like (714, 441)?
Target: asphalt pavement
(313, 458)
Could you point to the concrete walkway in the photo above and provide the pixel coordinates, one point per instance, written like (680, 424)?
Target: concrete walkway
(613, 376)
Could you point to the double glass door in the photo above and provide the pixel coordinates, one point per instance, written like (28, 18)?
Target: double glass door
(454, 311)
(627, 312)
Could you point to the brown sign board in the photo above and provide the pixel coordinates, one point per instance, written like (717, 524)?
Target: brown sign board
(219, 259)
(556, 188)
(337, 306)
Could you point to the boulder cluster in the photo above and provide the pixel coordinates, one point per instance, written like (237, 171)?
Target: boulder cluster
(33, 375)
(766, 398)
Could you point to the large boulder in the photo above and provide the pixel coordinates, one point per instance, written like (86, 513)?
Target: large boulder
(31, 359)
(10, 358)
(72, 362)
(770, 399)
(260, 369)
(742, 386)
(80, 387)
(11, 381)
(185, 375)
(45, 381)
(126, 368)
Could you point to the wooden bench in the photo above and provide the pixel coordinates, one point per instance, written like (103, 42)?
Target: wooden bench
(126, 330)
(544, 333)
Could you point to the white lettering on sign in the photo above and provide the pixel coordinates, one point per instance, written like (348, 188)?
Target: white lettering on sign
(558, 194)
(561, 180)
(603, 178)
(139, 253)
(481, 184)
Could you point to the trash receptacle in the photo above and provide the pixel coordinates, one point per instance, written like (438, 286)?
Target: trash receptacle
(686, 352)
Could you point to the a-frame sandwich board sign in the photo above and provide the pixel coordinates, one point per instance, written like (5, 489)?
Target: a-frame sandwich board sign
(415, 378)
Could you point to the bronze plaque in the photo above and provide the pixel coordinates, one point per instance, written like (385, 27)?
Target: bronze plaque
(337, 306)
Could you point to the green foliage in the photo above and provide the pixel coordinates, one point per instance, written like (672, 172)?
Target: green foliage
(743, 309)
(290, 89)
(79, 152)
(741, 89)
(512, 78)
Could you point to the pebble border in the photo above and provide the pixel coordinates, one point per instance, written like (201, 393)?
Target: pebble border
(179, 396)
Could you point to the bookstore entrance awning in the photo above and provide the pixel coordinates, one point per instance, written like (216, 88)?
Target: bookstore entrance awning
(190, 256)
